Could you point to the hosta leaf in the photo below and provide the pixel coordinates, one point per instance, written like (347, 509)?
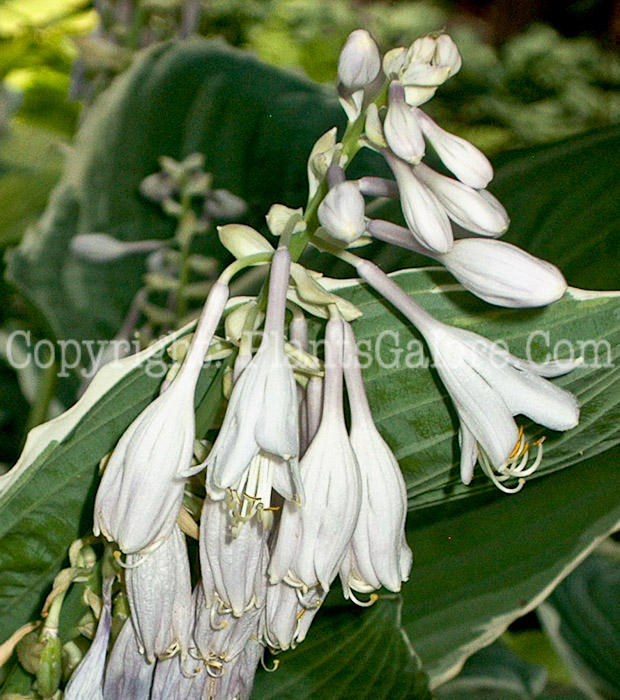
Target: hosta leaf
(350, 655)
(582, 619)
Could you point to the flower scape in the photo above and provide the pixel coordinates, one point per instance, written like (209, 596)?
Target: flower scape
(298, 487)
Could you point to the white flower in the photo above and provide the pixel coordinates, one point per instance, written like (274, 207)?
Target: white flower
(503, 274)
(475, 210)
(221, 637)
(378, 555)
(488, 386)
(159, 592)
(140, 493)
(401, 128)
(87, 680)
(237, 679)
(289, 614)
(462, 158)
(341, 213)
(425, 65)
(128, 674)
(313, 537)
(233, 568)
(424, 213)
(359, 62)
(262, 412)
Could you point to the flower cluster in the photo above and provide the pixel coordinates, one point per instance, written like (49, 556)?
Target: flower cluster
(292, 492)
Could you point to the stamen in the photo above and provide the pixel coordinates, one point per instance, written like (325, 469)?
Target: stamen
(276, 663)
(364, 603)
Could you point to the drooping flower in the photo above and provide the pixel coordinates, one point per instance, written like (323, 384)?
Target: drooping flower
(86, 683)
(313, 537)
(233, 563)
(262, 412)
(401, 128)
(488, 387)
(496, 271)
(128, 674)
(378, 554)
(140, 493)
(159, 592)
(289, 613)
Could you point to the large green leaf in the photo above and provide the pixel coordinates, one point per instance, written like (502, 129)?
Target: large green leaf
(350, 655)
(30, 165)
(254, 124)
(563, 201)
(582, 618)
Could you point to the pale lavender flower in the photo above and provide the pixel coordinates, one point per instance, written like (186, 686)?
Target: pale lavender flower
(313, 537)
(128, 674)
(140, 493)
(159, 592)
(378, 554)
(488, 386)
(87, 680)
(359, 62)
(289, 613)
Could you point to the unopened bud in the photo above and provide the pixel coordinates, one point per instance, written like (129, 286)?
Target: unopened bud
(401, 127)
(341, 213)
(359, 62)
(243, 240)
(49, 673)
(222, 204)
(102, 248)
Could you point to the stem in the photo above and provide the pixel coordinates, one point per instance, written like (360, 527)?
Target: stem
(184, 235)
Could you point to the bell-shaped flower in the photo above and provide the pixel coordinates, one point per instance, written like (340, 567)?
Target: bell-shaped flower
(401, 128)
(475, 210)
(341, 213)
(140, 493)
(220, 637)
(236, 680)
(503, 274)
(86, 683)
(262, 411)
(424, 213)
(488, 387)
(359, 62)
(313, 537)
(289, 614)
(462, 158)
(128, 674)
(159, 592)
(377, 556)
(233, 567)
(175, 679)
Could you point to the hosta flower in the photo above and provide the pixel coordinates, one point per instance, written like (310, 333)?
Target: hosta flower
(475, 210)
(178, 680)
(462, 158)
(233, 568)
(401, 128)
(289, 614)
(359, 62)
(262, 412)
(488, 386)
(378, 555)
(498, 272)
(237, 679)
(220, 637)
(87, 680)
(159, 592)
(140, 493)
(425, 65)
(503, 274)
(341, 213)
(128, 674)
(313, 537)
(424, 213)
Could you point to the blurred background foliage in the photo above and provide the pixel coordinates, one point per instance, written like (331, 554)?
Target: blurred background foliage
(533, 72)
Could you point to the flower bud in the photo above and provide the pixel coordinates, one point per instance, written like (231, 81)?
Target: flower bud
(49, 672)
(359, 62)
(401, 128)
(341, 213)
(241, 240)
(102, 248)
(502, 274)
